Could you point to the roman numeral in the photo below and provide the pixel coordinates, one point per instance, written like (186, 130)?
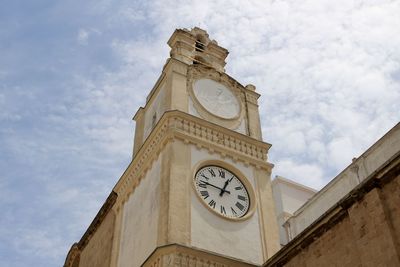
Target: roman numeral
(212, 172)
(212, 204)
(204, 194)
(242, 198)
(238, 188)
(221, 173)
(233, 211)
(240, 206)
(202, 185)
(202, 175)
(223, 210)
(230, 180)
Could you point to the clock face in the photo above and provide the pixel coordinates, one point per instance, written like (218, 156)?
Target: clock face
(222, 191)
(216, 98)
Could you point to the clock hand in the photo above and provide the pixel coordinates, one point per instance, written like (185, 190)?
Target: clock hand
(225, 185)
(204, 182)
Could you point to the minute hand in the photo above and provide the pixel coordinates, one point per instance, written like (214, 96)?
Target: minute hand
(204, 182)
(225, 185)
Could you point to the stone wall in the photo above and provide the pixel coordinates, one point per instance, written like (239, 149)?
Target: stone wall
(358, 171)
(335, 248)
(363, 229)
(97, 252)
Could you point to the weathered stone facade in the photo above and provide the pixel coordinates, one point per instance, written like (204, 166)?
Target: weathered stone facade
(360, 230)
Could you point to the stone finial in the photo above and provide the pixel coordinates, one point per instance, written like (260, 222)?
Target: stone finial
(250, 87)
(195, 47)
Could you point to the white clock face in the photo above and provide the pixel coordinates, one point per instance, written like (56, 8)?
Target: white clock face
(216, 98)
(222, 191)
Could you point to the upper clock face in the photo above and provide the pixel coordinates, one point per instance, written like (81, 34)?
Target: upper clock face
(216, 98)
(222, 191)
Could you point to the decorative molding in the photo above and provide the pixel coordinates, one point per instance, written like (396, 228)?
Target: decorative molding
(178, 255)
(252, 97)
(177, 125)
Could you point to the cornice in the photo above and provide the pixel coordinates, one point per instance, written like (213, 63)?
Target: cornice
(177, 125)
(178, 255)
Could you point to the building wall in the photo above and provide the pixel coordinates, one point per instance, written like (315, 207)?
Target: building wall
(294, 197)
(367, 234)
(140, 220)
(289, 196)
(360, 169)
(373, 230)
(336, 247)
(97, 253)
(391, 199)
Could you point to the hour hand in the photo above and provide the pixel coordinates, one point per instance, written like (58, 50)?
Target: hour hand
(225, 185)
(207, 183)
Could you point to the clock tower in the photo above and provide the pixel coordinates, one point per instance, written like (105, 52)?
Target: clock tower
(198, 189)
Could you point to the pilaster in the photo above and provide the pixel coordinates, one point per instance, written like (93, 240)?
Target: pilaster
(139, 130)
(176, 72)
(179, 194)
(253, 115)
(268, 224)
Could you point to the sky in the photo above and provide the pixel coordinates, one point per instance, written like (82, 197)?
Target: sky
(73, 73)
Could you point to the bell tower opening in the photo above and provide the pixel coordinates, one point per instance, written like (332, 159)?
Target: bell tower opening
(200, 44)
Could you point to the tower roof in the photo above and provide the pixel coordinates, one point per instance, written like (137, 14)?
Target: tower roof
(195, 47)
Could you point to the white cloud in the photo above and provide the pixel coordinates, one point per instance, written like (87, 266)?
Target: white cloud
(310, 175)
(328, 72)
(322, 67)
(341, 151)
(38, 243)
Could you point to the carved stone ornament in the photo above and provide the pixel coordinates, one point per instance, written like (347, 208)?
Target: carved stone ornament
(231, 120)
(177, 256)
(177, 125)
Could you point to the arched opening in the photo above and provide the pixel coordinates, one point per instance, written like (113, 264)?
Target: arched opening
(200, 45)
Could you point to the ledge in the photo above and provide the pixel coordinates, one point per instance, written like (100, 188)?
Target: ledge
(179, 255)
(177, 125)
